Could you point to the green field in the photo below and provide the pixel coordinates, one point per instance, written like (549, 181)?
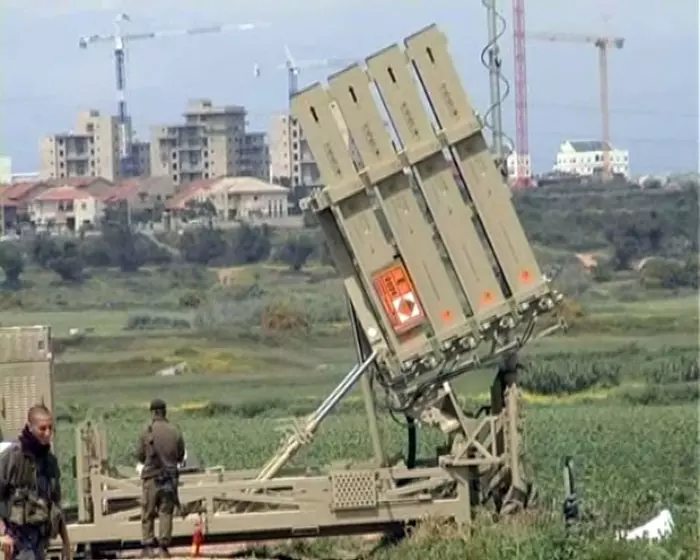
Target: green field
(619, 392)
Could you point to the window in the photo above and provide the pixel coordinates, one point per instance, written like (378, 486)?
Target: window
(83, 205)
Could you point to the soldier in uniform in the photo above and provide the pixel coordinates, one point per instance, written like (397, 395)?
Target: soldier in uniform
(161, 448)
(30, 492)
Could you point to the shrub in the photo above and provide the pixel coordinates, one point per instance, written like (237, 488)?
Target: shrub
(562, 377)
(155, 322)
(284, 316)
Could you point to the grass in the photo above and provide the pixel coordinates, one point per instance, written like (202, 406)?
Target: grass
(622, 480)
(632, 459)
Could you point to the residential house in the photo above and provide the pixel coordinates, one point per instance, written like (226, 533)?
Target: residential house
(14, 199)
(245, 198)
(95, 186)
(196, 190)
(587, 157)
(141, 193)
(65, 209)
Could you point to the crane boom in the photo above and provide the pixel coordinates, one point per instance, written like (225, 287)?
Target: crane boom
(602, 43)
(294, 67)
(127, 167)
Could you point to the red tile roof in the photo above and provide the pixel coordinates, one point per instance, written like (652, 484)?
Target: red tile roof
(123, 191)
(76, 182)
(16, 193)
(188, 192)
(61, 193)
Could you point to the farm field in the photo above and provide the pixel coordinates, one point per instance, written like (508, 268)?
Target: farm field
(618, 391)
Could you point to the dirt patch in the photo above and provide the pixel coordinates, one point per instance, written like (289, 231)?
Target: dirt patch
(588, 260)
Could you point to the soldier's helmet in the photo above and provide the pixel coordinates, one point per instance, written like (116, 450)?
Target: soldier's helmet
(157, 404)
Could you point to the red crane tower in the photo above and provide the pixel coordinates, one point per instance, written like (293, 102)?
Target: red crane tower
(523, 167)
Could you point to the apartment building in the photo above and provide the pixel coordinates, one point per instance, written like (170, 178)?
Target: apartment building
(291, 161)
(255, 156)
(212, 142)
(92, 150)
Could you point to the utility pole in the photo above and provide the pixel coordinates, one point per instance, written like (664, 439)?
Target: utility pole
(494, 65)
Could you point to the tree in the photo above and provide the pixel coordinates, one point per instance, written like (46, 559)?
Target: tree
(69, 264)
(45, 250)
(250, 244)
(12, 263)
(202, 245)
(121, 240)
(295, 251)
(200, 209)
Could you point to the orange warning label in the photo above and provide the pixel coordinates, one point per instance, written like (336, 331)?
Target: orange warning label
(398, 297)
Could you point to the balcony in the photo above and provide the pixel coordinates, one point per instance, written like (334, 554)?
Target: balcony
(77, 156)
(191, 166)
(191, 145)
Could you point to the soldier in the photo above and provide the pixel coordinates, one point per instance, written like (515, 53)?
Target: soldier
(30, 492)
(161, 448)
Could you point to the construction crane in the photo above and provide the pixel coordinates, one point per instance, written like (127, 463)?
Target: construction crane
(127, 167)
(294, 67)
(523, 167)
(602, 43)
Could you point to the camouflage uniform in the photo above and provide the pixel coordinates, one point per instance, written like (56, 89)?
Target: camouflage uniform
(30, 497)
(160, 449)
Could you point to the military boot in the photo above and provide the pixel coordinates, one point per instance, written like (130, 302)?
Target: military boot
(147, 552)
(163, 552)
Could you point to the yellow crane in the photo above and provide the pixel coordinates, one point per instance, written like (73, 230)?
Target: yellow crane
(603, 44)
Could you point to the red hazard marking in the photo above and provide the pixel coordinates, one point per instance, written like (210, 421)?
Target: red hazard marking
(486, 297)
(525, 276)
(392, 284)
(406, 307)
(447, 315)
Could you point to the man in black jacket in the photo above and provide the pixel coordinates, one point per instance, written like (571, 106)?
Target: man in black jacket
(161, 448)
(30, 492)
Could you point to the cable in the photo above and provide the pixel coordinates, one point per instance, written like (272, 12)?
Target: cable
(613, 111)
(506, 84)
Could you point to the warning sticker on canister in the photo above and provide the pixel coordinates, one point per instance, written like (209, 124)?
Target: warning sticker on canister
(398, 297)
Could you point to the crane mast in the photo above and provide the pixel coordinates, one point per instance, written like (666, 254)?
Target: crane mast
(523, 169)
(127, 167)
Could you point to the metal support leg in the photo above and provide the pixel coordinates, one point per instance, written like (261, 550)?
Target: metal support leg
(368, 396)
(307, 432)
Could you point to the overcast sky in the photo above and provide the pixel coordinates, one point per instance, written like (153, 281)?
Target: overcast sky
(46, 78)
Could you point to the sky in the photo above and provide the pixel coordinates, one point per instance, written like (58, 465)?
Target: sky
(46, 79)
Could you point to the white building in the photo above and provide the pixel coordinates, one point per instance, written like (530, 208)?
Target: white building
(248, 197)
(519, 166)
(64, 208)
(291, 160)
(5, 169)
(585, 157)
